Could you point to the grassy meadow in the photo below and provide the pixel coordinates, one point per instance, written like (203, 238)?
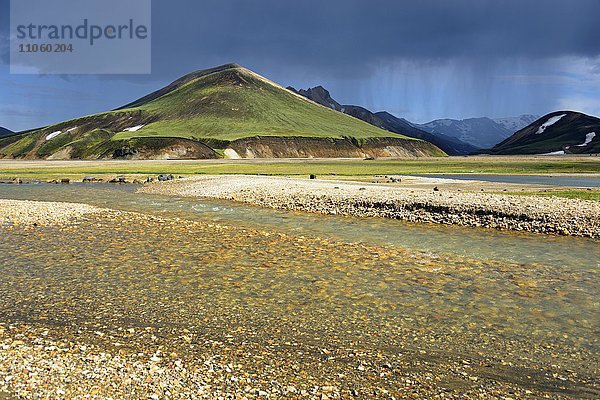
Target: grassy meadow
(44, 170)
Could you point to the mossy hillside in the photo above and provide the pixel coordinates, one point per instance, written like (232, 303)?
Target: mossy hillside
(235, 104)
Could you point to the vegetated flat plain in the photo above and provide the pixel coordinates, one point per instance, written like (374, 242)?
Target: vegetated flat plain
(342, 167)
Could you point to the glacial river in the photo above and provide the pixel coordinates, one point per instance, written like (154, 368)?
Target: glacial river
(347, 300)
(561, 180)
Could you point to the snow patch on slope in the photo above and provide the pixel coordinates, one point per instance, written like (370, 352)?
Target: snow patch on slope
(133, 128)
(588, 139)
(551, 121)
(53, 135)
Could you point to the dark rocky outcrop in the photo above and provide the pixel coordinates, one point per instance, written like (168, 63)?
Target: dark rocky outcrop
(165, 177)
(118, 179)
(319, 95)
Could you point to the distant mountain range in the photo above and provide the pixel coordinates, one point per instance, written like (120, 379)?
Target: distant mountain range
(5, 131)
(482, 132)
(389, 122)
(560, 132)
(455, 137)
(226, 111)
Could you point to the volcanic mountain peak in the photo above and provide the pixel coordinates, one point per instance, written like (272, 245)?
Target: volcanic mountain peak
(202, 113)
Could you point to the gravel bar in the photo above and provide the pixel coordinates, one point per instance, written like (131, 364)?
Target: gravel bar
(41, 213)
(520, 213)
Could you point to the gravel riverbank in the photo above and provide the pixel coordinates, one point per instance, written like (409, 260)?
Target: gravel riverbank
(127, 305)
(42, 213)
(520, 213)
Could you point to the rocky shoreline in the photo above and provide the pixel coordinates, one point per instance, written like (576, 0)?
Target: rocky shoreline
(506, 212)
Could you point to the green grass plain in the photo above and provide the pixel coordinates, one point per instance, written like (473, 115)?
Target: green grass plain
(342, 167)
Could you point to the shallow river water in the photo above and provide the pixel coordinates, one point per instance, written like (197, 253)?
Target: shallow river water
(374, 307)
(560, 180)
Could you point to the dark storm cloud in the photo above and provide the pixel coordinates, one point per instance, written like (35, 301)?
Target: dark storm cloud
(422, 59)
(347, 36)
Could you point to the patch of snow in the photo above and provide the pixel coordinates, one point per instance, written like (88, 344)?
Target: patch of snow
(588, 139)
(551, 121)
(554, 153)
(53, 135)
(133, 128)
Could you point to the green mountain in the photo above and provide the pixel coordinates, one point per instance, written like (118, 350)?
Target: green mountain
(224, 111)
(560, 132)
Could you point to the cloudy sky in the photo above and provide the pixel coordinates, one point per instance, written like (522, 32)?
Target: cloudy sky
(421, 60)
